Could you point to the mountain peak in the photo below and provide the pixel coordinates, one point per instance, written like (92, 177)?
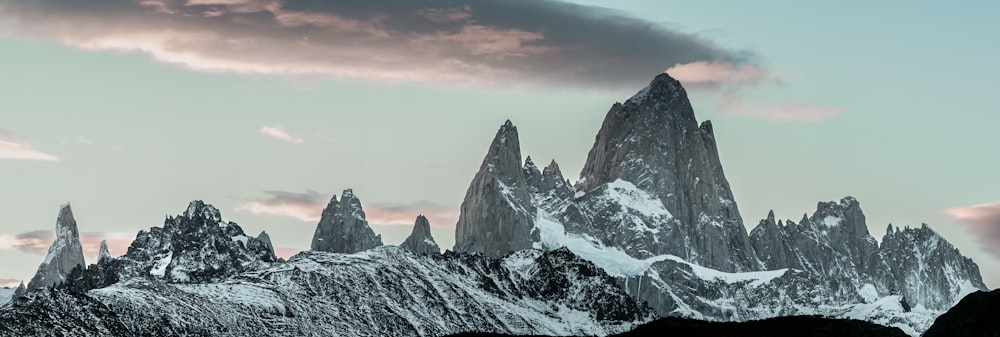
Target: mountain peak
(421, 241)
(103, 254)
(64, 254)
(342, 228)
(497, 216)
(199, 209)
(662, 86)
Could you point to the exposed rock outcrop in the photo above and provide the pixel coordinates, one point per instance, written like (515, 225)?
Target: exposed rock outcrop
(497, 215)
(834, 244)
(194, 247)
(974, 316)
(654, 142)
(343, 228)
(65, 253)
(420, 240)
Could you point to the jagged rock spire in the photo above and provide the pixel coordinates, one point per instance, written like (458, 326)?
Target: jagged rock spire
(65, 253)
(19, 291)
(654, 141)
(497, 216)
(420, 240)
(195, 246)
(103, 254)
(343, 228)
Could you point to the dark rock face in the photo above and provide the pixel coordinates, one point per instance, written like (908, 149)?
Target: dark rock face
(834, 244)
(974, 316)
(19, 291)
(343, 228)
(103, 254)
(798, 326)
(654, 142)
(194, 247)
(497, 215)
(926, 269)
(65, 253)
(420, 240)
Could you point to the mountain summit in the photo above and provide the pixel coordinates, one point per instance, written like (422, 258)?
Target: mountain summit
(65, 254)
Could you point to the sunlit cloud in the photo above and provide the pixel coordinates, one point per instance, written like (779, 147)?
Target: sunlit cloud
(983, 220)
(535, 42)
(14, 146)
(279, 132)
(308, 207)
(779, 111)
(715, 73)
(9, 282)
(39, 241)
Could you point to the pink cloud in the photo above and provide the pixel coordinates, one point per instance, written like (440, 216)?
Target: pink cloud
(431, 41)
(279, 132)
(38, 242)
(13, 146)
(983, 220)
(446, 14)
(787, 111)
(715, 73)
(308, 207)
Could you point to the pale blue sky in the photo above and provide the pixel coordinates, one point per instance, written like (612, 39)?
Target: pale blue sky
(137, 138)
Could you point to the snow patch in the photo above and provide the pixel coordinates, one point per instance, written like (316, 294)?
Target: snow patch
(832, 221)
(160, 268)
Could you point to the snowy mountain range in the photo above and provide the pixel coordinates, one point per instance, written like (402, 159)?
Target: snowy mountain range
(650, 230)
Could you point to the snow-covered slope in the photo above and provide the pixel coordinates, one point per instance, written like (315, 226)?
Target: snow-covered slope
(654, 209)
(5, 294)
(386, 291)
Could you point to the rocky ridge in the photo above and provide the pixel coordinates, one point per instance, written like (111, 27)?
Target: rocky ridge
(343, 229)
(420, 240)
(65, 254)
(653, 208)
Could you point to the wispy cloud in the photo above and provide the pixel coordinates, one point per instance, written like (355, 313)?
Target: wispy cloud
(9, 282)
(14, 146)
(279, 132)
(308, 207)
(733, 103)
(38, 242)
(983, 220)
(542, 42)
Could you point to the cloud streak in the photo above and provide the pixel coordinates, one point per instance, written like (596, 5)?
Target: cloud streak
(308, 207)
(436, 41)
(14, 146)
(38, 242)
(983, 221)
(279, 132)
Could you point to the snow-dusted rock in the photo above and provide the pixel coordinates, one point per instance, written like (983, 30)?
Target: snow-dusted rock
(65, 253)
(927, 270)
(497, 215)
(343, 228)
(385, 291)
(196, 246)
(420, 240)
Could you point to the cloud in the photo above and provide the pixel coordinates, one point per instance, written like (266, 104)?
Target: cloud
(702, 73)
(405, 213)
(13, 146)
(542, 42)
(983, 221)
(38, 242)
(9, 282)
(780, 111)
(308, 207)
(279, 132)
